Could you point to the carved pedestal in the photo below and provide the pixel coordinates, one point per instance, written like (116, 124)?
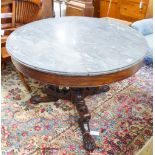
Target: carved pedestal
(76, 95)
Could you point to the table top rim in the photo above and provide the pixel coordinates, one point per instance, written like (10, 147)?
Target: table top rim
(75, 73)
(66, 74)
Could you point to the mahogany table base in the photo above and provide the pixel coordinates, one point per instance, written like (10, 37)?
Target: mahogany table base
(76, 95)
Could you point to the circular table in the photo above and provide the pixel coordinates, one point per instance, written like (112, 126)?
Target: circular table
(81, 54)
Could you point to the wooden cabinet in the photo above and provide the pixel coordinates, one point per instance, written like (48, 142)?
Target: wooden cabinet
(105, 11)
(130, 10)
(80, 8)
(149, 12)
(96, 4)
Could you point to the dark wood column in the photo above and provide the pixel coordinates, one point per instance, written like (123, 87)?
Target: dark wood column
(80, 8)
(96, 4)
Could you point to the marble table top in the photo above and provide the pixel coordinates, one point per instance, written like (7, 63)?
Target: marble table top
(77, 46)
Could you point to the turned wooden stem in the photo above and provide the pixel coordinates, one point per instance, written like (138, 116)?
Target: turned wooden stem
(89, 143)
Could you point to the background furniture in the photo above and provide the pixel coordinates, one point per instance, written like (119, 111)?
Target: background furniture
(6, 6)
(130, 10)
(80, 8)
(145, 27)
(19, 12)
(120, 20)
(96, 4)
(61, 2)
(22, 12)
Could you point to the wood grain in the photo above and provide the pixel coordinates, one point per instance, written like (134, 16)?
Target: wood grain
(80, 8)
(19, 12)
(149, 12)
(76, 81)
(125, 9)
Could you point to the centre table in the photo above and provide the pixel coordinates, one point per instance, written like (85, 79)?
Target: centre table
(76, 57)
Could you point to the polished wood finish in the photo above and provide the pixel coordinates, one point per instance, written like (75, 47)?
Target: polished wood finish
(104, 6)
(47, 6)
(22, 12)
(4, 54)
(25, 11)
(75, 89)
(80, 8)
(96, 4)
(6, 20)
(9, 21)
(76, 81)
(149, 12)
(130, 10)
(120, 20)
(85, 116)
(47, 9)
(5, 2)
(17, 13)
(6, 6)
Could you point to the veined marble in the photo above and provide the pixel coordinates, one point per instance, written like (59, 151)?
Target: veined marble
(74, 46)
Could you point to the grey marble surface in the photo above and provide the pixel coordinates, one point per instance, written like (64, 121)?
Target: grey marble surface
(77, 46)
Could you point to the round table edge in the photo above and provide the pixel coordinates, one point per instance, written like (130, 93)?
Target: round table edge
(77, 81)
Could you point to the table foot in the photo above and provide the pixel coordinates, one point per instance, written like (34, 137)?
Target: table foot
(89, 142)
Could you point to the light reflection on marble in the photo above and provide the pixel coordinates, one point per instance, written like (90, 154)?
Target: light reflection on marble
(77, 46)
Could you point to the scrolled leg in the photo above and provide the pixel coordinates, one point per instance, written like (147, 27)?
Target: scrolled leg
(53, 94)
(89, 143)
(38, 99)
(76, 95)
